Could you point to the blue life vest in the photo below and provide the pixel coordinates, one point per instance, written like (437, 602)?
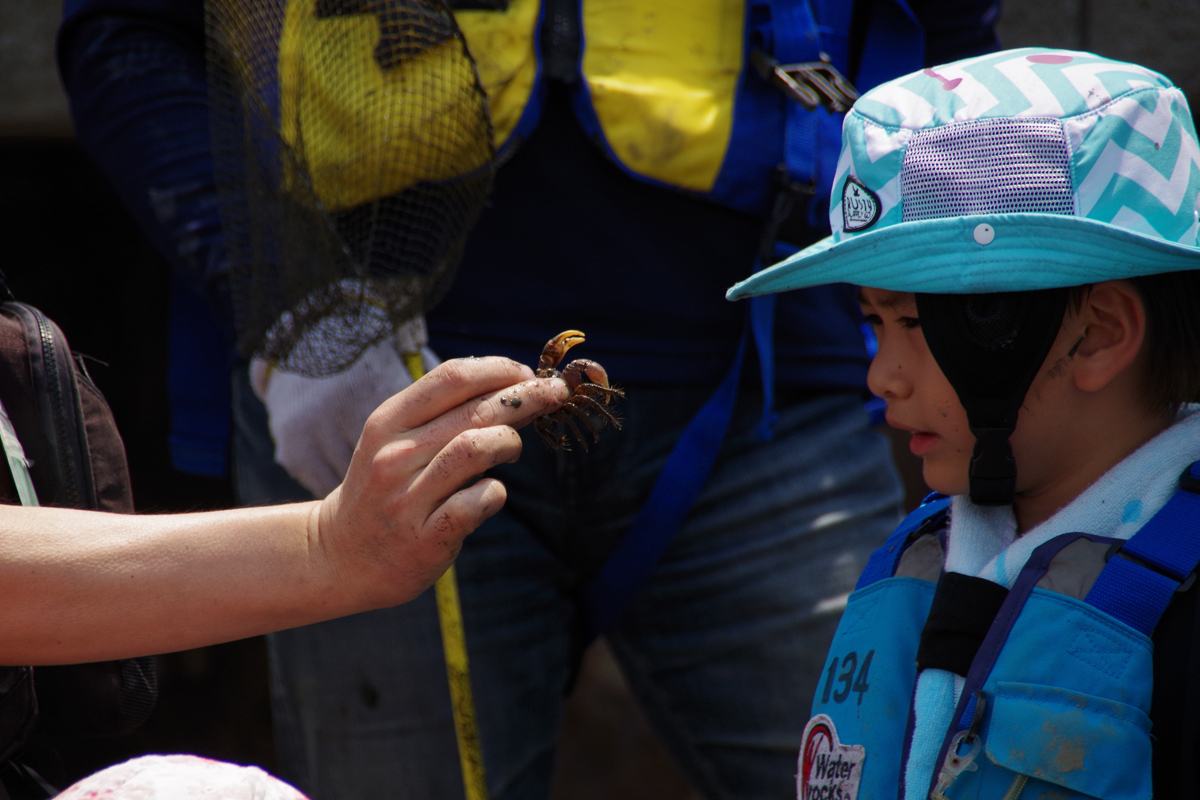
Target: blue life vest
(1057, 695)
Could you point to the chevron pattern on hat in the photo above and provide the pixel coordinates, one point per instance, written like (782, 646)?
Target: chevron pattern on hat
(1120, 137)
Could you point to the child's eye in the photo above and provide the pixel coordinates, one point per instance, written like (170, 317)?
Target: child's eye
(910, 322)
(872, 319)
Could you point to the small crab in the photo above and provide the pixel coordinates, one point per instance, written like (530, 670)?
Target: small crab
(590, 394)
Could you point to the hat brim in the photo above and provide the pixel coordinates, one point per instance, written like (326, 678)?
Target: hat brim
(1027, 251)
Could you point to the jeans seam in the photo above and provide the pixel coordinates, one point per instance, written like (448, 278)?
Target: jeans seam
(673, 736)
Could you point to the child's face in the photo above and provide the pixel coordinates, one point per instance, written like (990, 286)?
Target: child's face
(1091, 380)
(919, 398)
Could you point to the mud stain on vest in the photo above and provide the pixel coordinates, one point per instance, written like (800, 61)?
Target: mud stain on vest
(662, 144)
(1068, 752)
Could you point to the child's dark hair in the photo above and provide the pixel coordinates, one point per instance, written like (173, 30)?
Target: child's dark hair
(1172, 345)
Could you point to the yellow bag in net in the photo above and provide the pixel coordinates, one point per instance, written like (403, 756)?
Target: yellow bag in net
(353, 151)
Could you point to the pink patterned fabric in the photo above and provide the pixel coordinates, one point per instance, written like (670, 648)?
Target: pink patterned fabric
(180, 778)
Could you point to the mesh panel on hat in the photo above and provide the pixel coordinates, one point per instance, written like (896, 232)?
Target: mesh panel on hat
(987, 166)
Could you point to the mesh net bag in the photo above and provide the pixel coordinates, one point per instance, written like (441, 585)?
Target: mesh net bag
(352, 152)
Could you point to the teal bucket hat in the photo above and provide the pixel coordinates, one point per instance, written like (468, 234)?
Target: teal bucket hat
(1024, 169)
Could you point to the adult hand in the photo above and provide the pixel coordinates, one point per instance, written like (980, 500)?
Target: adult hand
(81, 586)
(411, 496)
(315, 422)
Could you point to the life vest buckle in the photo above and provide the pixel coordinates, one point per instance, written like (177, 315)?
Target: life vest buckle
(1118, 549)
(811, 83)
(956, 764)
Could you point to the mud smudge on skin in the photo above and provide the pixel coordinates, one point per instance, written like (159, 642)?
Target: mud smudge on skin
(1059, 369)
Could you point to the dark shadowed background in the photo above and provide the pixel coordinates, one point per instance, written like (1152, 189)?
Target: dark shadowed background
(69, 248)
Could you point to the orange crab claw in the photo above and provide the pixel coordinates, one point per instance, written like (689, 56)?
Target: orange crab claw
(556, 349)
(586, 410)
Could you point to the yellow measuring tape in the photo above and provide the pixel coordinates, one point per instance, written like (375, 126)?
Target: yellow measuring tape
(454, 645)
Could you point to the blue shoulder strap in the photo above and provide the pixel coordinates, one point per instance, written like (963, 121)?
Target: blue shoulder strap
(1142, 576)
(797, 39)
(791, 33)
(882, 563)
(809, 31)
(795, 31)
(805, 30)
(679, 484)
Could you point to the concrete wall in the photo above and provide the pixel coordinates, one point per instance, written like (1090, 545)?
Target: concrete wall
(1160, 34)
(31, 101)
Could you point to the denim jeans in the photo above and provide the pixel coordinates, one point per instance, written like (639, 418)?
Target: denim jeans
(722, 648)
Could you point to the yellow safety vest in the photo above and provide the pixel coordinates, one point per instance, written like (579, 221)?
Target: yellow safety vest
(662, 78)
(666, 84)
(358, 130)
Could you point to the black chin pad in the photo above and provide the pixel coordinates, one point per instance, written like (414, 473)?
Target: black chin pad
(990, 348)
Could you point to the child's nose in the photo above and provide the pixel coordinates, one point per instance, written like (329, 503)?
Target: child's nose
(886, 378)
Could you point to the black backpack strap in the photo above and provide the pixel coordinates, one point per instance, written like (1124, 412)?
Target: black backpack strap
(64, 468)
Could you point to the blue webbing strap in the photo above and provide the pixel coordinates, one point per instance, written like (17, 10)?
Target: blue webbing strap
(797, 40)
(794, 36)
(762, 325)
(678, 485)
(1140, 579)
(894, 46)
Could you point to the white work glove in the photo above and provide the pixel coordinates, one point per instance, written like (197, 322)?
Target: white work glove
(315, 422)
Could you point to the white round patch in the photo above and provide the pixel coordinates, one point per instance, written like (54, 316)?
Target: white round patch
(984, 233)
(828, 769)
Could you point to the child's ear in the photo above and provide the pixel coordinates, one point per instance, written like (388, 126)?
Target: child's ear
(1113, 325)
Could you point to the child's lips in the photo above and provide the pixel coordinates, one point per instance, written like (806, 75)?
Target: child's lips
(922, 442)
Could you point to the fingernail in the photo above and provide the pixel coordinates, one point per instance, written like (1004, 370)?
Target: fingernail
(561, 390)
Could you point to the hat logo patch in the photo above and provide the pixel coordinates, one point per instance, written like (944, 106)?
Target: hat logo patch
(860, 206)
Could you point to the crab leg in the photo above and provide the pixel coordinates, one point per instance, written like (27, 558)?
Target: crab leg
(569, 418)
(591, 403)
(608, 392)
(543, 429)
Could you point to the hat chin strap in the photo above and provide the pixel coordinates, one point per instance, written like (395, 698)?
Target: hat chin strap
(993, 472)
(990, 348)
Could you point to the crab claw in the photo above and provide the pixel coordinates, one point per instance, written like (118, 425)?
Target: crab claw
(584, 370)
(556, 349)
